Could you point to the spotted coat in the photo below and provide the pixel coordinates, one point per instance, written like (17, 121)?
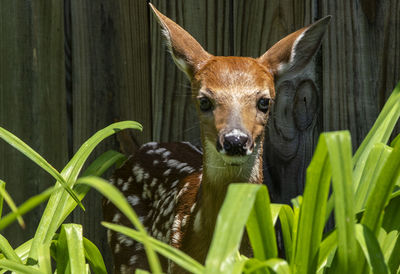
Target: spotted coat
(161, 183)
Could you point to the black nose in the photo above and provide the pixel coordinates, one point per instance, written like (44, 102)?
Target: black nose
(235, 145)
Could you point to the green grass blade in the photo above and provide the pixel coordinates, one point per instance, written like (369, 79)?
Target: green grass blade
(37, 159)
(23, 250)
(326, 250)
(141, 271)
(371, 249)
(374, 164)
(286, 217)
(45, 259)
(229, 227)
(278, 266)
(115, 196)
(275, 210)
(61, 254)
(94, 257)
(389, 236)
(274, 265)
(8, 251)
(97, 168)
(379, 133)
(103, 162)
(394, 259)
(312, 212)
(18, 268)
(339, 148)
(57, 205)
(2, 189)
(26, 207)
(381, 192)
(4, 194)
(76, 253)
(166, 250)
(296, 202)
(260, 227)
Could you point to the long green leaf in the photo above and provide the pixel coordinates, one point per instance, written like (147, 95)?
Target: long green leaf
(2, 188)
(375, 162)
(8, 251)
(18, 267)
(27, 206)
(94, 257)
(371, 249)
(96, 168)
(76, 253)
(312, 212)
(115, 196)
(54, 212)
(339, 148)
(380, 194)
(37, 159)
(167, 251)
(229, 227)
(4, 194)
(45, 259)
(260, 227)
(286, 217)
(379, 133)
(327, 248)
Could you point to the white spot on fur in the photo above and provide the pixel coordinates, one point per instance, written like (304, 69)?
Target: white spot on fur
(167, 172)
(117, 248)
(124, 240)
(116, 218)
(120, 181)
(133, 200)
(160, 150)
(184, 220)
(156, 162)
(153, 182)
(192, 208)
(125, 187)
(133, 259)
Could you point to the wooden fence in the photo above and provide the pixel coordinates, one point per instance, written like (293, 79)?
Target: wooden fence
(69, 68)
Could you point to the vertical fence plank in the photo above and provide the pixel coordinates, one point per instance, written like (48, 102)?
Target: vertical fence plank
(293, 126)
(361, 63)
(32, 99)
(174, 117)
(111, 80)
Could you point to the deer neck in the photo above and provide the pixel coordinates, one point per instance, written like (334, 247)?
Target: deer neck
(217, 175)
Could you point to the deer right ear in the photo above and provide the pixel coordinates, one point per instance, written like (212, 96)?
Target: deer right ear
(295, 51)
(186, 52)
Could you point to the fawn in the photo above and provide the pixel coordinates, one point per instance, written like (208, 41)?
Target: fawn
(176, 189)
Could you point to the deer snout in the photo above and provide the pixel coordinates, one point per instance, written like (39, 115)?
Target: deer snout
(235, 143)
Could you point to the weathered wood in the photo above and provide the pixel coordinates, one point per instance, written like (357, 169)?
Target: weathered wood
(32, 99)
(293, 126)
(361, 63)
(174, 116)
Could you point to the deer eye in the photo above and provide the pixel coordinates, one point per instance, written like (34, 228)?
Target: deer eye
(205, 104)
(263, 104)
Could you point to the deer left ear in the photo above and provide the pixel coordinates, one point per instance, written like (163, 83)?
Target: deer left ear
(295, 51)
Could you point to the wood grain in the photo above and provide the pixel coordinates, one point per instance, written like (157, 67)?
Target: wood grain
(361, 63)
(174, 117)
(32, 100)
(293, 126)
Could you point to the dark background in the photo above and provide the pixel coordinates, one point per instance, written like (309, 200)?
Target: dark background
(69, 68)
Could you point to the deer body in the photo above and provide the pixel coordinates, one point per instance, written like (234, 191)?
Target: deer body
(176, 189)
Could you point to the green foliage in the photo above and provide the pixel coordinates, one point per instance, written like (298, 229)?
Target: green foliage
(365, 200)
(69, 250)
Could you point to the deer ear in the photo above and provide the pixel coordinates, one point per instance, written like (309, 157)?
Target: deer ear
(186, 52)
(295, 51)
